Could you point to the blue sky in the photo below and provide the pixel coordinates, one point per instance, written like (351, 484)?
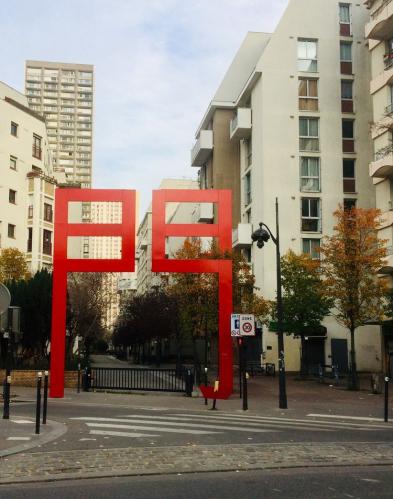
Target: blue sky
(157, 66)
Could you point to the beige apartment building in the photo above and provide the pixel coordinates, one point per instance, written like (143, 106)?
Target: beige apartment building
(27, 181)
(379, 33)
(63, 94)
(294, 112)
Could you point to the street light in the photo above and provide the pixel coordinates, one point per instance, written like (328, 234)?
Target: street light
(262, 236)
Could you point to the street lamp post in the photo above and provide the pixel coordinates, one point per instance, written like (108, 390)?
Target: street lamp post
(262, 236)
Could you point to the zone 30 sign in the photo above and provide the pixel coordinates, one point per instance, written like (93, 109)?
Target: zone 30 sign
(242, 325)
(222, 231)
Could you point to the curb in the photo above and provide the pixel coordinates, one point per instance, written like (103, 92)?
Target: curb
(58, 429)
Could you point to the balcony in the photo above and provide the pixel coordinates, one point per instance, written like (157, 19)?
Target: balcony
(380, 26)
(241, 236)
(205, 213)
(240, 126)
(202, 148)
(382, 166)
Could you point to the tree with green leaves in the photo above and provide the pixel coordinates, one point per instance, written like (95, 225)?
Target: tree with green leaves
(34, 296)
(351, 259)
(305, 304)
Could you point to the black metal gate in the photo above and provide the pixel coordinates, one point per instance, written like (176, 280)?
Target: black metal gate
(146, 379)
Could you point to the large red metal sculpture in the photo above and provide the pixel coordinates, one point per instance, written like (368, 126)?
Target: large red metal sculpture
(223, 231)
(62, 264)
(126, 230)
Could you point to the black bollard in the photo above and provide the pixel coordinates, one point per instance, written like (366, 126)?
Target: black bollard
(45, 406)
(38, 404)
(206, 382)
(386, 399)
(78, 389)
(6, 396)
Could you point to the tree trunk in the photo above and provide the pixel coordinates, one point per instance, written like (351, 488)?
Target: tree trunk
(353, 381)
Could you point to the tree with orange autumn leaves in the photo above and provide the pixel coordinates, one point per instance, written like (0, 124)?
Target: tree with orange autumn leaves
(351, 258)
(197, 294)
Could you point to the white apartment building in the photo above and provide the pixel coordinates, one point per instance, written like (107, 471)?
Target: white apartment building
(292, 117)
(63, 94)
(27, 181)
(379, 33)
(175, 213)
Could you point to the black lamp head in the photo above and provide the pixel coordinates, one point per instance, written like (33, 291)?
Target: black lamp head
(260, 236)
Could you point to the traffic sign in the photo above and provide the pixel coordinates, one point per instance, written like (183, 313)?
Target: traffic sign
(247, 325)
(235, 325)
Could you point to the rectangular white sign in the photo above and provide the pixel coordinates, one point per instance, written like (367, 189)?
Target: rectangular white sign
(247, 325)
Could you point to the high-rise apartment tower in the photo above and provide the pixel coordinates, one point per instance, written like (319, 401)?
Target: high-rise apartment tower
(63, 94)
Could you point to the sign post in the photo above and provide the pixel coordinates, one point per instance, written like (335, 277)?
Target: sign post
(242, 325)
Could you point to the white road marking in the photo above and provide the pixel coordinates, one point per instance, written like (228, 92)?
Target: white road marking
(357, 418)
(119, 434)
(86, 439)
(21, 421)
(18, 438)
(163, 420)
(139, 427)
(244, 422)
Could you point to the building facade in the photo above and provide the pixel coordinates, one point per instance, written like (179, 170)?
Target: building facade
(300, 115)
(27, 181)
(379, 33)
(63, 94)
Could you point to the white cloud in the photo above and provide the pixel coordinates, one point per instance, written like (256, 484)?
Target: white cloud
(157, 65)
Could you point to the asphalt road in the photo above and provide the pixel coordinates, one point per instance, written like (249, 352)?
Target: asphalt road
(330, 483)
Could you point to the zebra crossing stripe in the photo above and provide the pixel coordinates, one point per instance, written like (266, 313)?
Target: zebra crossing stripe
(163, 421)
(306, 422)
(312, 426)
(120, 434)
(151, 428)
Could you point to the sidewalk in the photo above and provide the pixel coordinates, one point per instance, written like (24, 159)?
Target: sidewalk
(304, 397)
(17, 434)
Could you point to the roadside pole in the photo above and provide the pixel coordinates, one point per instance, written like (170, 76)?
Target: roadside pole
(38, 404)
(386, 411)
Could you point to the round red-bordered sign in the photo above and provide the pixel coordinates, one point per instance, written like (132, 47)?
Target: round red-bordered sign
(247, 327)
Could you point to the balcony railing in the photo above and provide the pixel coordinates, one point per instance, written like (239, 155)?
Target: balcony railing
(47, 248)
(389, 108)
(376, 12)
(37, 152)
(388, 60)
(384, 151)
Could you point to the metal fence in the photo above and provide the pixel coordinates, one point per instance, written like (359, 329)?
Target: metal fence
(146, 379)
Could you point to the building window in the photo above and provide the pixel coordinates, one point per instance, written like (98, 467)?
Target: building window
(311, 219)
(345, 19)
(349, 184)
(30, 211)
(388, 57)
(14, 129)
(349, 203)
(307, 55)
(47, 242)
(309, 134)
(48, 212)
(311, 247)
(11, 231)
(30, 240)
(347, 96)
(346, 58)
(247, 189)
(12, 196)
(348, 135)
(13, 162)
(37, 151)
(309, 175)
(308, 94)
